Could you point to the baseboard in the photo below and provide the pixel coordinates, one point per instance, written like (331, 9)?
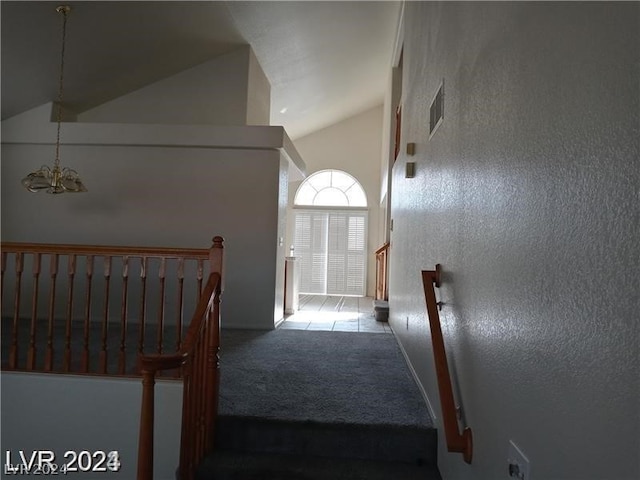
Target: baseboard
(423, 392)
(249, 326)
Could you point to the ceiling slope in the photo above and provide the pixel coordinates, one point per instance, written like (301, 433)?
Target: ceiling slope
(325, 61)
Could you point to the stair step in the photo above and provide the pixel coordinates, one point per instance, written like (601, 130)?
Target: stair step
(232, 465)
(389, 443)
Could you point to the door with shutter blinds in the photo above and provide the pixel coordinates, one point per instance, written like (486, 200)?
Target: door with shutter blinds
(331, 250)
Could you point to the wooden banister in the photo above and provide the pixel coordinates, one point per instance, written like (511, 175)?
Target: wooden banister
(100, 321)
(104, 250)
(456, 442)
(199, 359)
(382, 275)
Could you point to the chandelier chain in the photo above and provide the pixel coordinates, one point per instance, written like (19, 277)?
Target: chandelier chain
(56, 180)
(64, 10)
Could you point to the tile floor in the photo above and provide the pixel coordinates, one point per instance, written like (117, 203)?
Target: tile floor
(335, 313)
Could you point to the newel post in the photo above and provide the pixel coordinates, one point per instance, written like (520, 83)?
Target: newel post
(216, 254)
(145, 441)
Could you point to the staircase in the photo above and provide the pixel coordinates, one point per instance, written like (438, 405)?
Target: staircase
(366, 421)
(282, 450)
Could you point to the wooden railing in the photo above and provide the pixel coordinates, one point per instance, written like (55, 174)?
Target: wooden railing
(382, 273)
(199, 359)
(456, 442)
(73, 308)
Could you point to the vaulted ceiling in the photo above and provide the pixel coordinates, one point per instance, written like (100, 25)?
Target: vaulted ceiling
(325, 61)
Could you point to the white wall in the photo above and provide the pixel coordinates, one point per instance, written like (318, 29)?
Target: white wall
(228, 90)
(528, 196)
(258, 94)
(353, 145)
(102, 414)
(148, 186)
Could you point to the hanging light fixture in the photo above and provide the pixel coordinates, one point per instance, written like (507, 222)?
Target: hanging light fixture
(56, 180)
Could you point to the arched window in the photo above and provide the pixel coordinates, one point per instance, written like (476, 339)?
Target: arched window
(331, 188)
(331, 234)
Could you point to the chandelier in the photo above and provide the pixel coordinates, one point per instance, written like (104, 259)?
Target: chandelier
(56, 179)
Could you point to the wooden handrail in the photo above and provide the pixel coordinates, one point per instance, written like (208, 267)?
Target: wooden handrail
(382, 275)
(105, 250)
(456, 442)
(199, 359)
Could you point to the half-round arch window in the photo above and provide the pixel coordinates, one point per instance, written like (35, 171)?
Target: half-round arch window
(333, 188)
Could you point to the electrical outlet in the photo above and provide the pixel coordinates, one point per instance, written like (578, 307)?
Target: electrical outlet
(518, 463)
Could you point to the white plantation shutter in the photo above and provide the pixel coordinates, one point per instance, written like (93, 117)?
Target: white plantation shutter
(331, 247)
(336, 253)
(318, 264)
(355, 274)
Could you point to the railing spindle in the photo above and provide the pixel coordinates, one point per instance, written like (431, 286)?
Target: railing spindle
(71, 273)
(161, 275)
(179, 311)
(13, 354)
(122, 358)
(4, 267)
(202, 390)
(201, 358)
(179, 317)
(199, 400)
(87, 317)
(203, 399)
(143, 304)
(213, 372)
(53, 271)
(105, 320)
(3, 256)
(199, 275)
(31, 356)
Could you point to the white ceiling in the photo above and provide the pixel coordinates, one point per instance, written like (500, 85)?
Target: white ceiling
(326, 61)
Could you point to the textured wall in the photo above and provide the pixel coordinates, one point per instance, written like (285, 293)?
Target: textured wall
(528, 196)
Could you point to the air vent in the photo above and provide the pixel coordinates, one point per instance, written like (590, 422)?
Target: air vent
(436, 111)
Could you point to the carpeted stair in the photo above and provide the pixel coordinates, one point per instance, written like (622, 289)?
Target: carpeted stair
(250, 448)
(299, 405)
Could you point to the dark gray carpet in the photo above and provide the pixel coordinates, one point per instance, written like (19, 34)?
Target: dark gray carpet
(226, 465)
(297, 375)
(329, 377)
(294, 404)
(314, 405)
